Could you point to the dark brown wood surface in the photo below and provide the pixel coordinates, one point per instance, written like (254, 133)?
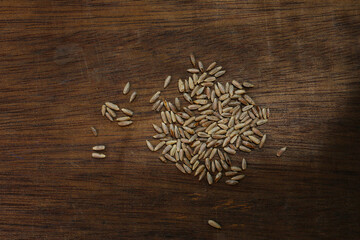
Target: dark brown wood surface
(61, 60)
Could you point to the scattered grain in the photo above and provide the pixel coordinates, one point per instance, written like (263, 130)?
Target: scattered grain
(167, 81)
(132, 97)
(281, 151)
(94, 131)
(103, 110)
(231, 182)
(192, 59)
(214, 224)
(149, 145)
(98, 148)
(155, 97)
(126, 88)
(98, 155)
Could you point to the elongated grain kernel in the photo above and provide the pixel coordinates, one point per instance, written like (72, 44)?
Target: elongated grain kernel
(149, 145)
(281, 151)
(181, 86)
(192, 59)
(214, 224)
(191, 83)
(111, 112)
(155, 97)
(167, 81)
(180, 167)
(209, 178)
(229, 150)
(218, 176)
(249, 99)
(218, 165)
(262, 141)
(254, 139)
(237, 84)
(215, 70)
(211, 66)
(157, 128)
(231, 182)
(235, 169)
(201, 66)
(162, 158)
(248, 85)
(109, 116)
(220, 73)
(98, 155)
(167, 149)
(177, 104)
(202, 174)
(113, 106)
(103, 110)
(159, 145)
(132, 97)
(244, 149)
(193, 70)
(230, 173)
(243, 164)
(196, 164)
(127, 111)
(261, 122)
(98, 148)
(126, 88)
(238, 177)
(126, 118)
(94, 131)
(187, 97)
(199, 169)
(125, 123)
(257, 132)
(170, 158)
(156, 105)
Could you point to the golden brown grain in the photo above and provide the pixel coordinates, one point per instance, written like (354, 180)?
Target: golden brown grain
(214, 224)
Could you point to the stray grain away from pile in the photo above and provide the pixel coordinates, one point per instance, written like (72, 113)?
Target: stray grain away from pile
(217, 121)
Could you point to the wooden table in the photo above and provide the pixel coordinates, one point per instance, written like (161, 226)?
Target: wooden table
(61, 60)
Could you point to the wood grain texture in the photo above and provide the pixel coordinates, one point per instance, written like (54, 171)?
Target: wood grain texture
(60, 60)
